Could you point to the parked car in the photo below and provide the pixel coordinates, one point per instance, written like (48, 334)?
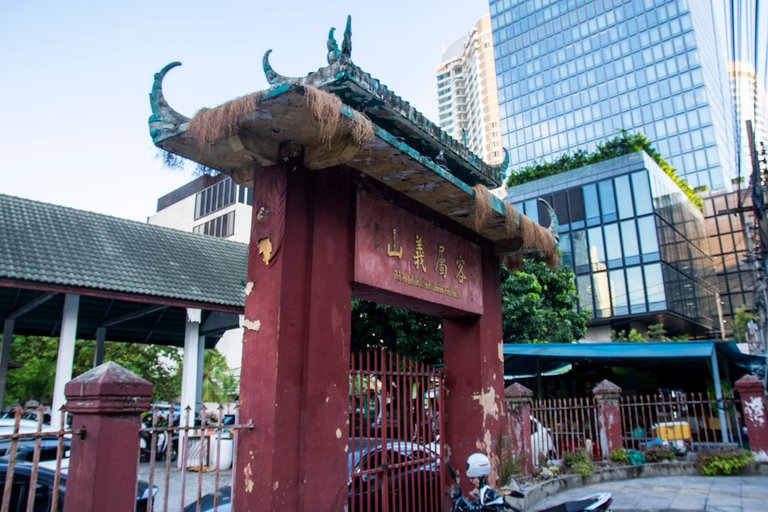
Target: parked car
(366, 453)
(44, 489)
(25, 448)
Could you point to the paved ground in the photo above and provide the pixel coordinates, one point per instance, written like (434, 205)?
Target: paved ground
(191, 482)
(678, 494)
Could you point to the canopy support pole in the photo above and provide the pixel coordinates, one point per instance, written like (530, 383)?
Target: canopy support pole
(719, 396)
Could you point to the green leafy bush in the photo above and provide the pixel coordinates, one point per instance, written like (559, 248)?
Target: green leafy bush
(578, 462)
(724, 461)
(619, 455)
(658, 453)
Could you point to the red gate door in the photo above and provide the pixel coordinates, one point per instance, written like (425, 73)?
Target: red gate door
(394, 434)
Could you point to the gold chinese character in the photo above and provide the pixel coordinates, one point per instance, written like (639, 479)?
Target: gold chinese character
(392, 250)
(460, 276)
(440, 265)
(418, 256)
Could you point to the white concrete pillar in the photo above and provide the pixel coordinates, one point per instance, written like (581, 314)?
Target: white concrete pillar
(189, 380)
(5, 356)
(66, 356)
(98, 352)
(199, 376)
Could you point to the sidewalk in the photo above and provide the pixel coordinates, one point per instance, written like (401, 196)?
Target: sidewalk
(678, 494)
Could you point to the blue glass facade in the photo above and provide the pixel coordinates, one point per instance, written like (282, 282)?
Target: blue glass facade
(636, 243)
(571, 73)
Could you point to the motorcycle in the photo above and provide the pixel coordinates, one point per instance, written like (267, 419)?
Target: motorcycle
(162, 437)
(491, 500)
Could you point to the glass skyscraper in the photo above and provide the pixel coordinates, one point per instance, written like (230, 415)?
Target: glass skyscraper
(636, 243)
(571, 73)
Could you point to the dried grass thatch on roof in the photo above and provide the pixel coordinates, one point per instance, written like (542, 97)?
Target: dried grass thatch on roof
(535, 238)
(212, 124)
(326, 108)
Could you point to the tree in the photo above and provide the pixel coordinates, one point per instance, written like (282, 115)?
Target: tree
(741, 319)
(34, 380)
(624, 335)
(539, 305)
(657, 332)
(219, 382)
(408, 333)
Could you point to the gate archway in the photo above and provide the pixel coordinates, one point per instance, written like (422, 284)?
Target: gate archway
(355, 193)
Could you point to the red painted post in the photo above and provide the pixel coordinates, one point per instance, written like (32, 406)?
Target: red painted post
(518, 403)
(295, 372)
(608, 416)
(754, 412)
(474, 376)
(107, 402)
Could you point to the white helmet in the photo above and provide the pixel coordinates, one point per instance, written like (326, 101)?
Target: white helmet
(478, 466)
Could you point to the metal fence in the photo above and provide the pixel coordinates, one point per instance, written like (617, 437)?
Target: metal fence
(563, 425)
(684, 421)
(394, 430)
(184, 457)
(33, 461)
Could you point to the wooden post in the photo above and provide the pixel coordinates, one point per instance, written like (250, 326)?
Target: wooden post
(106, 402)
(474, 376)
(295, 371)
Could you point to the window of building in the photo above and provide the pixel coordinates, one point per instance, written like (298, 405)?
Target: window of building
(222, 226)
(580, 258)
(618, 292)
(596, 248)
(607, 201)
(649, 243)
(215, 197)
(584, 288)
(636, 290)
(624, 197)
(654, 283)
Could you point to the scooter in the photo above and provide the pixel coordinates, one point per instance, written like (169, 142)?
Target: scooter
(490, 500)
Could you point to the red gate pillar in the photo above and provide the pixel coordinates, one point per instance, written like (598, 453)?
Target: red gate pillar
(754, 412)
(474, 376)
(608, 416)
(518, 404)
(107, 402)
(295, 371)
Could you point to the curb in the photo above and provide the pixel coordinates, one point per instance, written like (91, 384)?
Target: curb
(547, 488)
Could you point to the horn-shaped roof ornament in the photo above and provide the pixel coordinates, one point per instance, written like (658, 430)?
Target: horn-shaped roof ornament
(554, 224)
(164, 121)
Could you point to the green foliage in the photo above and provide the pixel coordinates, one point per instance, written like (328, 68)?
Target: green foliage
(411, 334)
(658, 453)
(34, 380)
(725, 461)
(219, 382)
(539, 305)
(619, 456)
(578, 462)
(622, 144)
(624, 335)
(655, 332)
(741, 317)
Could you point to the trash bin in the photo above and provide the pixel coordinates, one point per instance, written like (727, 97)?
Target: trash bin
(675, 432)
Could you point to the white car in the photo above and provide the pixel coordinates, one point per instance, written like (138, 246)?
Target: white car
(542, 444)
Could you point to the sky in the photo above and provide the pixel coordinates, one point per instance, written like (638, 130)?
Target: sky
(75, 78)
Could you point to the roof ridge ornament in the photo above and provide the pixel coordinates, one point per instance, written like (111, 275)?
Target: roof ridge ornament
(164, 121)
(273, 77)
(500, 171)
(554, 224)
